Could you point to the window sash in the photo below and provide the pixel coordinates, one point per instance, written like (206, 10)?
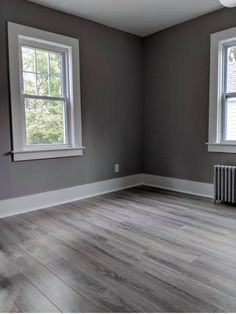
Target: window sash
(67, 142)
(38, 46)
(225, 95)
(65, 92)
(44, 97)
(226, 99)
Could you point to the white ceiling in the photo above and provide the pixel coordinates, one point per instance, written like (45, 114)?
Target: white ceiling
(140, 17)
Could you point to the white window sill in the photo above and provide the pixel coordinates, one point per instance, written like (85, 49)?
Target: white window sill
(35, 154)
(222, 148)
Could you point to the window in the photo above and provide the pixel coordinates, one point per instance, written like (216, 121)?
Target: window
(229, 93)
(222, 114)
(45, 94)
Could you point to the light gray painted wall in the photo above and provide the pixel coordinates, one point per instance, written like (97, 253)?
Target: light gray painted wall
(176, 68)
(112, 104)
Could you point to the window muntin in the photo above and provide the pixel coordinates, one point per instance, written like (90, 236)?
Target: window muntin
(43, 78)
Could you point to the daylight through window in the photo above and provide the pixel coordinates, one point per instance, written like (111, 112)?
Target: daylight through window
(230, 94)
(44, 96)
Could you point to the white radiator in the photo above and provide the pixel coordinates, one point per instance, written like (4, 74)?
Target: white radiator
(224, 184)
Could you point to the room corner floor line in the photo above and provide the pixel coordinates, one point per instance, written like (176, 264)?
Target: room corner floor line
(179, 185)
(19, 205)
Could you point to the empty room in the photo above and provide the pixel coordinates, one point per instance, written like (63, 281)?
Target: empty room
(118, 156)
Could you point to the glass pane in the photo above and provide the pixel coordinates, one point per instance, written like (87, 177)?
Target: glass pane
(231, 70)
(29, 83)
(45, 122)
(56, 86)
(43, 85)
(28, 59)
(230, 129)
(55, 64)
(42, 62)
(56, 80)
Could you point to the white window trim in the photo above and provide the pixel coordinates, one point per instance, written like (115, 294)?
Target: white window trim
(16, 34)
(215, 141)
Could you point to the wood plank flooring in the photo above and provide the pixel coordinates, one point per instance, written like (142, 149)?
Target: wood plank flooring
(137, 250)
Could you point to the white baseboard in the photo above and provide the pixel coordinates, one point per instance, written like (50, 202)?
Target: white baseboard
(34, 202)
(179, 185)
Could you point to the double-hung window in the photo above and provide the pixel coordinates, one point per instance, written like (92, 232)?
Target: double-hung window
(229, 93)
(45, 94)
(222, 114)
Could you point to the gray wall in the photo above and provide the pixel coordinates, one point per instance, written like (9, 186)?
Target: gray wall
(177, 98)
(144, 102)
(112, 104)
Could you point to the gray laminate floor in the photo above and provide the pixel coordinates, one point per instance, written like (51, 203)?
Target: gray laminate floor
(138, 250)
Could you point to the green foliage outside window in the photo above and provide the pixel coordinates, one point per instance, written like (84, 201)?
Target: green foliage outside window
(43, 76)
(44, 122)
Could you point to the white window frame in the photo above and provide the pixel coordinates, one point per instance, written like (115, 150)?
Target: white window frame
(18, 36)
(219, 43)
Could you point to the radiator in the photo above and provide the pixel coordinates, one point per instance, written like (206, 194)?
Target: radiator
(224, 184)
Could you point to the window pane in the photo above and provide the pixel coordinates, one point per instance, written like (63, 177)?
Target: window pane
(42, 85)
(42, 72)
(231, 119)
(29, 83)
(28, 59)
(42, 62)
(56, 86)
(44, 122)
(56, 74)
(231, 70)
(55, 64)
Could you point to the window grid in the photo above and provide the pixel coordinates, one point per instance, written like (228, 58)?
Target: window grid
(228, 119)
(49, 75)
(49, 97)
